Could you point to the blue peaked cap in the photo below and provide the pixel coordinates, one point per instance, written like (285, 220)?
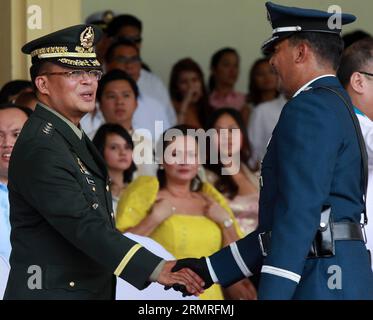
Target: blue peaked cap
(286, 21)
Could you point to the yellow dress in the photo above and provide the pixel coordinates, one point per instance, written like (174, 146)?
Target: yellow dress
(181, 234)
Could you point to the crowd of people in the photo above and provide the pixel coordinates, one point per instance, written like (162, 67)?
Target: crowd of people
(188, 206)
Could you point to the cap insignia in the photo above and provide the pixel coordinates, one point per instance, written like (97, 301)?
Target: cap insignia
(87, 38)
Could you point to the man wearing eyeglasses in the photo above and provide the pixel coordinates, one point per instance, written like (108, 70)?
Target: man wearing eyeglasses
(64, 241)
(356, 75)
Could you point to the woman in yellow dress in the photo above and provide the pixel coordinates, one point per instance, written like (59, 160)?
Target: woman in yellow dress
(188, 217)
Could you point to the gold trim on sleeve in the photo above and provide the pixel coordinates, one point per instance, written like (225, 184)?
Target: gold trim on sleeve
(126, 259)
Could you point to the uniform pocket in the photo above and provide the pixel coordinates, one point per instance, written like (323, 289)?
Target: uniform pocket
(72, 279)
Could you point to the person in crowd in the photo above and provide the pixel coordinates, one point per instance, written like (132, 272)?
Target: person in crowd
(188, 93)
(12, 89)
(241, 188)
(263, 120)
(118, 98)
(116, 147)
(224, 68)
(124, 55)
(312, 177)
(353, 36)
(263, 83)
(61, 211)
(187, 217)
(356, 75)
(27, 99)
(128, 27)
(12, 119)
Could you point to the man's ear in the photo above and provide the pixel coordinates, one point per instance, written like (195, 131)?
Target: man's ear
(357, 82)
(41, 82)
(301, 52)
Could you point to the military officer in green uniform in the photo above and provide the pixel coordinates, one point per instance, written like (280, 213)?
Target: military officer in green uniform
(64, 241)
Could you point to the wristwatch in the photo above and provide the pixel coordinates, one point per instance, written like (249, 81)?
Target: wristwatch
(227, 222)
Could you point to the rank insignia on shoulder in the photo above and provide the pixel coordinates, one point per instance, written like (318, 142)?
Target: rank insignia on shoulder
(82, 167)
(47, 128)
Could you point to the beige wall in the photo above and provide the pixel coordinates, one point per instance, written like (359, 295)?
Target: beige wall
(174, 29)
(55, 14)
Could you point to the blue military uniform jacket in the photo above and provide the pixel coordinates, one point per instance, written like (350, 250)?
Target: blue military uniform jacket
(313, 160)
(62, 221)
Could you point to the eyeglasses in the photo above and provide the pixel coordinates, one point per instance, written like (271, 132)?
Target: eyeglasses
(127, 60)
(77, 75)
(366, 73)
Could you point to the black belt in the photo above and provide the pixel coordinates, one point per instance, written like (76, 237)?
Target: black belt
(340, 231)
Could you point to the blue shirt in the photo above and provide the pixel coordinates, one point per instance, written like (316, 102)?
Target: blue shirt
(5, 247)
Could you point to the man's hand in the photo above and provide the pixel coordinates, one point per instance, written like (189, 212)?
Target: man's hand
(183, 279)
(199, 266)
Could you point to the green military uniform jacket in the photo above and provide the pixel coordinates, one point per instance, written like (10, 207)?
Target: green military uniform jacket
(62, 221)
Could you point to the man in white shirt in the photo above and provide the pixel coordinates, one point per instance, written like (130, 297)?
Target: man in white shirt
(356, 75)
(262, 122)
(125, 55)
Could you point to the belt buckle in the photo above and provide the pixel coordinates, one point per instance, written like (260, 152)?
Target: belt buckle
(264, 252)
(364, 233)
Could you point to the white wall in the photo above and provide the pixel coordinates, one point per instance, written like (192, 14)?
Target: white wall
(174, 29)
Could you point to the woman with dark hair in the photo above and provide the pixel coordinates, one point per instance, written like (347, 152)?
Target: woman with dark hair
(224, 68)
(188, 93)
(116, 146)
(263, 82)
(241, 185)
(187, 217)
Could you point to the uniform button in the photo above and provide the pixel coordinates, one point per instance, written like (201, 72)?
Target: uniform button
(95, 206)
(72, 284)
(93, 189)
(112, 215)
(107, 188)
(322, 224)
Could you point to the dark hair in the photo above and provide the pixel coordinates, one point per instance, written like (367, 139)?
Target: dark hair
(225, 184)
(8, 105)
(215, 60)
(328, 47)
(99, 141)
(196, 184)
(13, 87)
(254, 95)
(109, 55)
(121, 21)
(354, 59)
(352, 37)
(188, 64)
(114, 75)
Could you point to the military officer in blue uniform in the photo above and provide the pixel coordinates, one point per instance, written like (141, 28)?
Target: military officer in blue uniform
(63, 237)
(309, 243)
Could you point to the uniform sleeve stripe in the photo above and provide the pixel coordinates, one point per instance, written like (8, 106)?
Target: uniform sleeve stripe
(126, 259)
(281, 273)
(211, 271)
(238, 258)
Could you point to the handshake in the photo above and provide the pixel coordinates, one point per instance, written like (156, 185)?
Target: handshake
(189, 276)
